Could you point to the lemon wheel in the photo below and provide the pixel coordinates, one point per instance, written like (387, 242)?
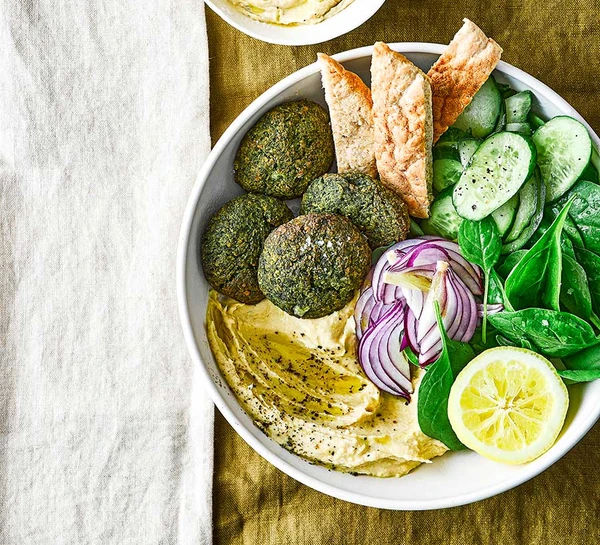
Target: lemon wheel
(508, 404)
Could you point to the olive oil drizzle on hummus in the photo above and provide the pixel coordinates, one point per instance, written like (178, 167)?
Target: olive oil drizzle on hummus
(301, 383)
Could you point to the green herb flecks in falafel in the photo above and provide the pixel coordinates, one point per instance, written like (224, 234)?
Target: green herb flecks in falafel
(288, 147)
(313, 265)
(232, 243)
(376, 210)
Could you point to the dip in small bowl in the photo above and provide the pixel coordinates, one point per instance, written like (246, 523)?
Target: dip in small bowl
(295, 22)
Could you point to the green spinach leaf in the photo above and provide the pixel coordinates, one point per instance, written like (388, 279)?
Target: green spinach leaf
(554, 334)
(591, 264)
(586, 360)
(585, 213)
(480, 243)
(496, 289)
(503, 341)
(535, 280)
(574, 291)
(411, 357)
(580, 375)
(432, 401)
(508, 264)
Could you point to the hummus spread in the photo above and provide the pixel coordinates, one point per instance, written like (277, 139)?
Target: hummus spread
(290, 12)
(301, 383)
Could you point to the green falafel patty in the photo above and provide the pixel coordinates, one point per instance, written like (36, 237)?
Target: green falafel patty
(232, 243)
(313, 265)
(288, 147)
(376, 210)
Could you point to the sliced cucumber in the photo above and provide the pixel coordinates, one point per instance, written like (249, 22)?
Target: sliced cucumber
(505, 215)
(590, 174)
(535, 121)
(466, 149)
(534, 222)
(564, 149)
(528, 202)
(451, 138)
(496, 172)
(446, 152)
(480, 116)
(518, 107)
(505, 90)
(443, 219)
(521, 128)
(595, 159)
(501, 122)
(446, 172)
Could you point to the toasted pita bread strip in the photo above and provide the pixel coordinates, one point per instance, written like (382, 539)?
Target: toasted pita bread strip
(458, 74)
(403, 127)
(351, 112)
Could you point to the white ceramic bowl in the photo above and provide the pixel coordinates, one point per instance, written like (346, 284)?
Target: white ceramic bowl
(455, 478)
(346, 20)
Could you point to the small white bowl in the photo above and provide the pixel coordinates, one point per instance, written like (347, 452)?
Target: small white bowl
(342, 22)
(454, 479)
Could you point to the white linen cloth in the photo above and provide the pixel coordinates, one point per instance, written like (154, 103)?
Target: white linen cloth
(105, 435)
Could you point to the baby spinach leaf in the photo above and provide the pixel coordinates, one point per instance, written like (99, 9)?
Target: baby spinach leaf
(591, 264)
(580, 375)
(586, 359)
(574, 291)
(535, 279)
(554, 334)
(480, 242)
(585, 213)
(477, 343)
(496, 293)
(411, 357)
(511, 260)
(495, 290)
(503, 341)
(432, 401)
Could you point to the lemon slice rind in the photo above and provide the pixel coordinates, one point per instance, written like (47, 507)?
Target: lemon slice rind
(508, 404)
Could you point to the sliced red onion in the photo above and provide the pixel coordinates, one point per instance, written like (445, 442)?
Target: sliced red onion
(368, 311)
(493, 308)
(410, 330)
(427, 254)
(381, 291)
(396, 308)
(380, 365)
(458, 310)
(427, 335)
(362, 311)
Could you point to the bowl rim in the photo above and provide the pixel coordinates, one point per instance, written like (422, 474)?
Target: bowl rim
(535, 467)
(307, 38)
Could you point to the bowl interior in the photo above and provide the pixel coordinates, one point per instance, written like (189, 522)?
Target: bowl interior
(346, 20)
(453, 479)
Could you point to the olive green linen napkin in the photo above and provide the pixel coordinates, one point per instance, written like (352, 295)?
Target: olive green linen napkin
(559, 43)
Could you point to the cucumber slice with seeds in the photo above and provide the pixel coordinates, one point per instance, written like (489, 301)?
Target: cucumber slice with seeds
(534, 221)
(505, 215)
(535, 121)
(521, 128)
(496, 172)
(446, 172)
(564, 149)
(528, 197)
(480, 116)
(466, 149)
(518, 107)
(443, 219)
